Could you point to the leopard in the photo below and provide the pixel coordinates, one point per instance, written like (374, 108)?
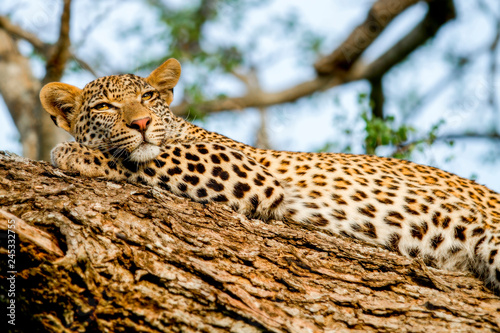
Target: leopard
(120, 124)
(124, 130)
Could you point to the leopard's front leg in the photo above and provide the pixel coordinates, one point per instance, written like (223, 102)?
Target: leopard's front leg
(75, 157)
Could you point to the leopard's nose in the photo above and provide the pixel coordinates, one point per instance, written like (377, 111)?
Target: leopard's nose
(141, 124)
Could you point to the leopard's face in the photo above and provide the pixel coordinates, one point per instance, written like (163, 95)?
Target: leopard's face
(125, 115)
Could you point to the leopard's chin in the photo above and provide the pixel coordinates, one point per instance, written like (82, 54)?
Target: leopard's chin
(145, 152)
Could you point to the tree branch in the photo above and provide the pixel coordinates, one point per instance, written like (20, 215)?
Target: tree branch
(379, 16)
(18, 32)
(39, 45)
(60, 53)
(263, 99)
(439, 13)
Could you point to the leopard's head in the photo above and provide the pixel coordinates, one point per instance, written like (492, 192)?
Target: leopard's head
(126, 115)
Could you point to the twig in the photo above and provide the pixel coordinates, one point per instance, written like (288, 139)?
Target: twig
(449, 137)
(83, 64)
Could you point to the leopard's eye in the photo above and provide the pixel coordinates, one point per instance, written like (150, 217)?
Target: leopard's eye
(102, 107)
(148, 95)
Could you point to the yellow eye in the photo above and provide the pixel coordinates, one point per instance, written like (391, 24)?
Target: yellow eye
(102, 107)
(147, 95)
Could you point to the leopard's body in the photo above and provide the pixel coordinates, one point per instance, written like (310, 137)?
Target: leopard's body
(417, 210)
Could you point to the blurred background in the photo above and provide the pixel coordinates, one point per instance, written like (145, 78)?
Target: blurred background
(403, 78)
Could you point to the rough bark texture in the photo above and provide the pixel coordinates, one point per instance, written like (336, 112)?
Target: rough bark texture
(100, 256)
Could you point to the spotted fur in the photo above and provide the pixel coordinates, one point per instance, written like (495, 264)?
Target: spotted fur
(416, 210)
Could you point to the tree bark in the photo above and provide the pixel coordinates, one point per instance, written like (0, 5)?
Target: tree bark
(94, 255)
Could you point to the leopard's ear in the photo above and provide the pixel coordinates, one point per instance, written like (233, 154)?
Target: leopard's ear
(59, 100)
(165, 77)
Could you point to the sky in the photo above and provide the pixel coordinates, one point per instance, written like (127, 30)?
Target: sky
(309, 123)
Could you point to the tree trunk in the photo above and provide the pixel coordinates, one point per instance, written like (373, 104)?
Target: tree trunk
(19, 90)
(93, 255)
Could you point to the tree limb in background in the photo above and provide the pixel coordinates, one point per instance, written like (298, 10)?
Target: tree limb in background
(18, 32)
(438, 14)
(357, 71)
(261, 100)
(39, 46)
(379, 16)
(60, 51)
